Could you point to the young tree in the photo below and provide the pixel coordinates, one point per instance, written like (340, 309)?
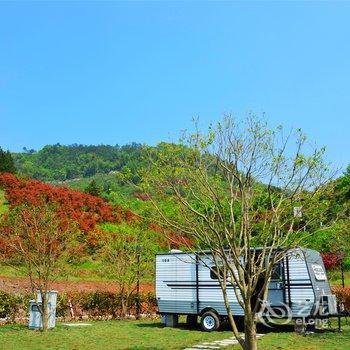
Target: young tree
(93, 188)
(7, 164)
(36, 238)
(233, 189)
(125, 256)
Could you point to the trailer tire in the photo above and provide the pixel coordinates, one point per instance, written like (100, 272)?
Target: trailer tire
(210, 321)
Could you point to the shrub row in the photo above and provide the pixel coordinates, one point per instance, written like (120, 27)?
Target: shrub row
(78, 305)
(103, 304)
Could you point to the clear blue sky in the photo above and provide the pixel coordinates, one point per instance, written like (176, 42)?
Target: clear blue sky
(118, 72)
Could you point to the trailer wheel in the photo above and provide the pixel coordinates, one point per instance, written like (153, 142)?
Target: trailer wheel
(210, 321)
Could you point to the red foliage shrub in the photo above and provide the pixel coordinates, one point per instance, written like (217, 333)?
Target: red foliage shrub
(332, 260)
(175, 240)
(343, 295)
(142, 196)
(83, 208)
(130, 216)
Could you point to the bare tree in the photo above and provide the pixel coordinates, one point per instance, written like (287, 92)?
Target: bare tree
(235, 188)
(36, 238)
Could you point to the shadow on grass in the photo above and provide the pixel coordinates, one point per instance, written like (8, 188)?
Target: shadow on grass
(225, 327)
(13, 328)
(151, 325)
(275, 328)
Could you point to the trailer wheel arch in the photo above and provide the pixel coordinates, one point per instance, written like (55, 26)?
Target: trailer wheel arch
(206, 309)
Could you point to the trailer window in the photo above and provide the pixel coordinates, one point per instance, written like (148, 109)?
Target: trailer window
(215, 271)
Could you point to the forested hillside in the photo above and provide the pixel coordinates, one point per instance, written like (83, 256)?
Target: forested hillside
(93, 168)
(58, 162)
(97, 224)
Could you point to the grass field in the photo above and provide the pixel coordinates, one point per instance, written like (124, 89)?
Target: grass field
(142, 335)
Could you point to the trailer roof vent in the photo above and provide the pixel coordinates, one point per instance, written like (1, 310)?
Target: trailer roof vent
(174, 251)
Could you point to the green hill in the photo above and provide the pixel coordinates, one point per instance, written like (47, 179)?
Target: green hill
(76, 166)
(60, 163)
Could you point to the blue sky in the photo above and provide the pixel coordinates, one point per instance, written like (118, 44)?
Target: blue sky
(118, 72)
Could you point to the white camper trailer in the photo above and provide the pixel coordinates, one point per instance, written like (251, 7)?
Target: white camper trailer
(186, 285)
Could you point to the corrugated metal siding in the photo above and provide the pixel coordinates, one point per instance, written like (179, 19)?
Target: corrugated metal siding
(210, 295)
(176, 286)
(175, 270)
(302, 296)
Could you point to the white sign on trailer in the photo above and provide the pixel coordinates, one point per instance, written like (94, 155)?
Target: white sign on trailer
(320, 275)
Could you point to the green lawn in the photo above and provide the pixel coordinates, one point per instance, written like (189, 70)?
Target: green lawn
(318, 341)
(104, 335)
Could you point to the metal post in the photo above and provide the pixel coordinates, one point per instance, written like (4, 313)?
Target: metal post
(138, 308)
(342, 273)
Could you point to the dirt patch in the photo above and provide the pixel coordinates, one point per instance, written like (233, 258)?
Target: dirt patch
(22, 285)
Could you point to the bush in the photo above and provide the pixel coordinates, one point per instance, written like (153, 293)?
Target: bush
(332, 260)
(62, 307)
(100, 303)
(110, 304)
(343, 295)
(11, 304)
(346, 264)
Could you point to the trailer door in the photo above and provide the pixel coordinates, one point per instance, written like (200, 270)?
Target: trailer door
(276, 286)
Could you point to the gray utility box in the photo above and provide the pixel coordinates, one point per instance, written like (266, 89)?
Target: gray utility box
(35, 319)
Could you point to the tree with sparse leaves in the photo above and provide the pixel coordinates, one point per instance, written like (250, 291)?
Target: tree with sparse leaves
(234, 188)
(125, 256)
(38, 239)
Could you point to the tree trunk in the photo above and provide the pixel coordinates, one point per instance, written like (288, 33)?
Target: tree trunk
(44, 313)
(123, 305)
(250, 340)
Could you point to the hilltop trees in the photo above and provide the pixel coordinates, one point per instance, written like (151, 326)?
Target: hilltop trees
(7, 164)
(59, 162)
(233, 189)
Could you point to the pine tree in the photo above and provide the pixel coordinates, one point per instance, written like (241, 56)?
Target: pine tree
(93, 188)
(7, 164)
